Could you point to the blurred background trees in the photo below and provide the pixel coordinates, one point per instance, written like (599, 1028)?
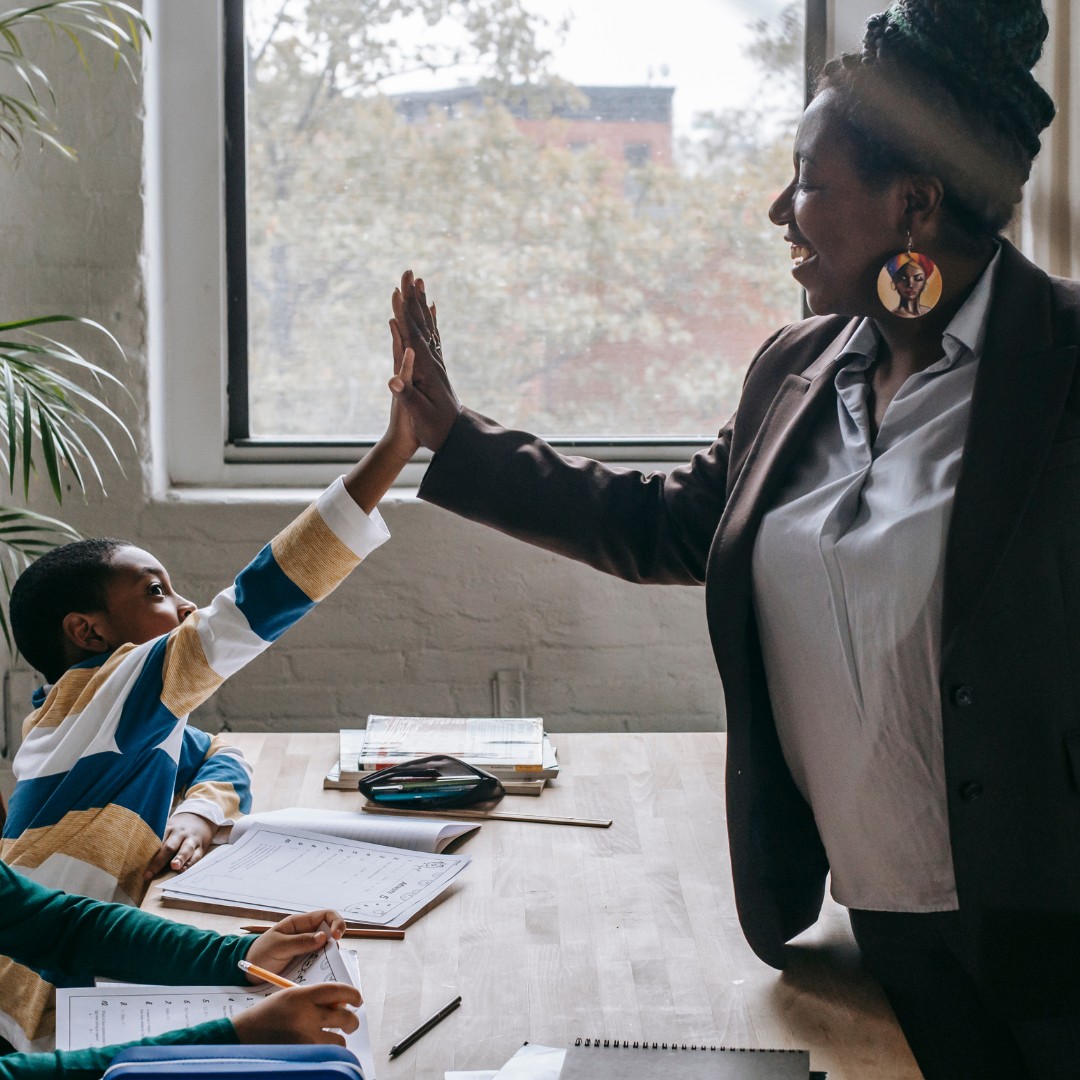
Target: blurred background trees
(596, 271)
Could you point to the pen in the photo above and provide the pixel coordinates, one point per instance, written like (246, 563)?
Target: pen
(350, 932)
(266, 976)
(425, 1027)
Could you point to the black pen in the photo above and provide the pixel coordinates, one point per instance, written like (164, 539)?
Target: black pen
(425, 1027)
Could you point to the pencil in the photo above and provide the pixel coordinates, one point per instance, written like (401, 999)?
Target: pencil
(485, 815)
(351, 931)
(266, 976)
(425, 1027)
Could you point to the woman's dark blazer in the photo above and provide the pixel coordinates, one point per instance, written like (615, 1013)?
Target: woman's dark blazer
(1010, 664)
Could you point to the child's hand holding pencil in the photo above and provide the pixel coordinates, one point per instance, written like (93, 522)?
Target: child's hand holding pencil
(294, 936)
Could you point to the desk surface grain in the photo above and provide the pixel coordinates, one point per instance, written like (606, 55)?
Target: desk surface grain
(554, 932)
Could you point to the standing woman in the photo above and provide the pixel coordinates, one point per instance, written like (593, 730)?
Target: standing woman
(889, 535)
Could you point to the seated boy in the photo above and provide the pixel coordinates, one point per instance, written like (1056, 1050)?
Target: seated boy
(106, 751)
(46, 926)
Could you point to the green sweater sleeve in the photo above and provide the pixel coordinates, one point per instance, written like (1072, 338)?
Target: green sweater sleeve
(49, 930)
(90, 1064)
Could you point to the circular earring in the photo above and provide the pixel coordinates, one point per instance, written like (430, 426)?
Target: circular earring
(909, 284)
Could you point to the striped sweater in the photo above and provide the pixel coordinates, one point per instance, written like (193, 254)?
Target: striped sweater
(109, 750)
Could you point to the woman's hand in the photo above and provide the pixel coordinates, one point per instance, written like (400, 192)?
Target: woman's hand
(300, 1015)
(295, 936)
(420, 384)
(187, 839)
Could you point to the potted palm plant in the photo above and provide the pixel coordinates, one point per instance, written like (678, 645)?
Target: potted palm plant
(53, 417)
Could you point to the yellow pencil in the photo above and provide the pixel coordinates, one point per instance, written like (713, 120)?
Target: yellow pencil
(266, 976)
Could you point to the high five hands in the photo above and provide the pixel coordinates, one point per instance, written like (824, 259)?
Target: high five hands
(421, 387)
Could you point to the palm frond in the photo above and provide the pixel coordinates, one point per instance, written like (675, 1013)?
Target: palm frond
(24, 536)
(43, 404)
(116, 26)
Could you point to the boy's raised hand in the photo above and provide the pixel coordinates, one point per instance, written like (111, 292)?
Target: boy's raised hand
(187, 839)
(301, 1015)
(420, 383)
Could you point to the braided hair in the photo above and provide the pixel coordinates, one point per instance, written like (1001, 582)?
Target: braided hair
(944, 87)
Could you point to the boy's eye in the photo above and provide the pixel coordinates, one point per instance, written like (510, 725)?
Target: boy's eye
(156, 589)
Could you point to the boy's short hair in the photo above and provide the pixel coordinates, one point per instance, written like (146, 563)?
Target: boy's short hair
(68, 578)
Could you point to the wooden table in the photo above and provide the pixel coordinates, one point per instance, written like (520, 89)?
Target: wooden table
(554, 932)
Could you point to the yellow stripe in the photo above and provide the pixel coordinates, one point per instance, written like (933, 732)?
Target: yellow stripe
(312, 556)
(188, 678)
(72, 692)
(27, 998)
(113, 839)
(219, 793)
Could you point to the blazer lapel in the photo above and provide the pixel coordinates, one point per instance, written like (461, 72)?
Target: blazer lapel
(1020, 392)
(763, 468)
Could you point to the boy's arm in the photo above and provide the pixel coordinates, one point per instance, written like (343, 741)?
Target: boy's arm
(214, 781)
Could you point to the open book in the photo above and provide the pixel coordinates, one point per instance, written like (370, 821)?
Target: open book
(413, 834)
(122, 1012)
(271, 871)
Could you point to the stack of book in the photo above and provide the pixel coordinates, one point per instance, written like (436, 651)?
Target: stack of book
(516, 750)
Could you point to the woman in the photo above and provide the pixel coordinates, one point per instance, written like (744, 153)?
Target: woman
(918, 479)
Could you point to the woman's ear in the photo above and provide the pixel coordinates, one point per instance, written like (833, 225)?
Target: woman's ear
(81, 632)
(923, 195)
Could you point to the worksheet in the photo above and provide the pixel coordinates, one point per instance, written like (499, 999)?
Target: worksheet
(116, 1012)
(269, 869)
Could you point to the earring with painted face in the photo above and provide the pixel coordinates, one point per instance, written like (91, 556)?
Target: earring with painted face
(909, 284)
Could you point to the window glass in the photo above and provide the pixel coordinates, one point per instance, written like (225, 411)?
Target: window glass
(583, 187)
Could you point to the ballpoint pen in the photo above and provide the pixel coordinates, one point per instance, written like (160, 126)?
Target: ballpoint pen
(425, 1027)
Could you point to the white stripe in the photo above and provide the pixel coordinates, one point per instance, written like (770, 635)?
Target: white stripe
(361, 533)
(206, 809)
(47, 751)
(60, 871)
(228, 642)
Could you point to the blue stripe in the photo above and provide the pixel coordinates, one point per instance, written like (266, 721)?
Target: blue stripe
(271, 601)
(140, 778)
(197, 768)
(141, 783)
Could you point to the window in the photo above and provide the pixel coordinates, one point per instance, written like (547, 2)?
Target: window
(585, 195)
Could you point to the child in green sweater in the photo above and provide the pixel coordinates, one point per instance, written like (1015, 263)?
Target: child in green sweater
(50, 928)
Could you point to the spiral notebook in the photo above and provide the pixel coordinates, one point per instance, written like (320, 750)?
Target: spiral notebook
(596, 1059)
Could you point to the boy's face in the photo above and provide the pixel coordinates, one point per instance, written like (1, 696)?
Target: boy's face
(140, 601)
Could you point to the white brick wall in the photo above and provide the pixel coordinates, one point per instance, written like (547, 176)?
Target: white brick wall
(423, 626)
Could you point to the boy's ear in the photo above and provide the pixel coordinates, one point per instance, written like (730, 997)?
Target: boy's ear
(81, 631)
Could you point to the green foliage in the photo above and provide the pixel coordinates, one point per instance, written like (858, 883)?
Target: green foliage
(570, 291)
(117, 26)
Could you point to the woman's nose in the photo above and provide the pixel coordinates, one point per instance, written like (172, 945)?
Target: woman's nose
(780, 211)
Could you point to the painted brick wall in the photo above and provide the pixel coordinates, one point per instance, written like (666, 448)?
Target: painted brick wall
(425, 624)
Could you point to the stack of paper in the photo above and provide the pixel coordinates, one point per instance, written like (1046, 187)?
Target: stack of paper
(514, 749)
(273, 871)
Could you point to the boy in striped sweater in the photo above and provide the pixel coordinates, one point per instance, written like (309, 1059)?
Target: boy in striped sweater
(112, 784)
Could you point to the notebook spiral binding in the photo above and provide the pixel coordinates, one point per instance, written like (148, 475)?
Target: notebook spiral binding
(645, 1044)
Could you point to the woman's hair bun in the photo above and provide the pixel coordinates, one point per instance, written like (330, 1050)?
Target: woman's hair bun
(981, 51)
(946, 86)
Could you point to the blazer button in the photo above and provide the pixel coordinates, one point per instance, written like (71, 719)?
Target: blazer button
(964, 696)
(970, 790)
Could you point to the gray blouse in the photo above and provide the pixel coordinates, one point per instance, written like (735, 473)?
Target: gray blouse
(847, 580)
